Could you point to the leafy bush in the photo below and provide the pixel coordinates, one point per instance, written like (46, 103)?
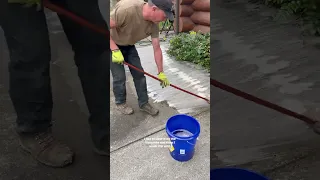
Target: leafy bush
(193, 47)
(165, 25)
(306, 10)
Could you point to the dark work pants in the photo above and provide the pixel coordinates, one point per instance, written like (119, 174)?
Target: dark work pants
(30, 88)
(131, 56)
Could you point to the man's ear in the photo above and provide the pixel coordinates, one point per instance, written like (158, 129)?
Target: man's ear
(154, 8)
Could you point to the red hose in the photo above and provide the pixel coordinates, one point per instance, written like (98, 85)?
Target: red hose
(261, 101)
(170, 84)
(106, 32)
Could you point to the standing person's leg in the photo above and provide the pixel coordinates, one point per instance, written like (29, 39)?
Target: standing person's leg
(119, 84)
(30, 90)
(139, 81)
(91, 56)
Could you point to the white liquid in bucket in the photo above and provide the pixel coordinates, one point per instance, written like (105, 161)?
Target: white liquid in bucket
(182, 133)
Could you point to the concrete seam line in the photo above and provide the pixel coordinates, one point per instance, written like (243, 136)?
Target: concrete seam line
(132, 142)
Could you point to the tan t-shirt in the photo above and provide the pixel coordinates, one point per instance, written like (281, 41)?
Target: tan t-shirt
(131, 27)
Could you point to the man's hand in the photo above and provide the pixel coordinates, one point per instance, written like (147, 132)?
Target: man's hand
(164, 80)
(117, 57)
(29, 3)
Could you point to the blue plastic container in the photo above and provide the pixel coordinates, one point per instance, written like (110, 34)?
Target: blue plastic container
(182, 148)
(234, 174)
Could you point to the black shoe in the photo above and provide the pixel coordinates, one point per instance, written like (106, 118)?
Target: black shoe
(46, 149)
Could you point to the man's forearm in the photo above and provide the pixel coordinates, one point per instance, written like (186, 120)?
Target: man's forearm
(113, 45)
(159, 59)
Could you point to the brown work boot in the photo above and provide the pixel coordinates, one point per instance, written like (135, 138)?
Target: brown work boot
(149, 109)
(124, 109)
(46, 149)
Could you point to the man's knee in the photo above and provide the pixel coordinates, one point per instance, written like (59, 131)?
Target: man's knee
(118, 73)
(30, 57)
(137, 75)
(134, 59)
(119, 78)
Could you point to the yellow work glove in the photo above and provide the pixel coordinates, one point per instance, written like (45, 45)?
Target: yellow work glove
(164, 80)
(28, 3)
(117, 57)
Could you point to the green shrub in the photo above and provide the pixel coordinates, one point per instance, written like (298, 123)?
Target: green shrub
(165, 25)
(305, 10)
(193, 47)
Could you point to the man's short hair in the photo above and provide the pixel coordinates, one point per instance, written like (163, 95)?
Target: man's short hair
(165, 5)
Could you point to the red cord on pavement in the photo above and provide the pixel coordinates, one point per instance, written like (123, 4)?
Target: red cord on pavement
(106, 32)
(261, 102)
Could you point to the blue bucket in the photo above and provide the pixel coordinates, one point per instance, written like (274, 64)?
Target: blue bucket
(234, 174)
(183, 131)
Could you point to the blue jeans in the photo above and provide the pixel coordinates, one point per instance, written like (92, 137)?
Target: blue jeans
(131, 56)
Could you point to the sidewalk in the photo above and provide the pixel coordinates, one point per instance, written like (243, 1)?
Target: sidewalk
(135, 160)
(131, 157)
(271, 60)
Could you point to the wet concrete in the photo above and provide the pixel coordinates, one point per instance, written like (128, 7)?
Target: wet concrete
(140, 161)
(271, 60)
(129, 129)
(131, 154)
(184, 75)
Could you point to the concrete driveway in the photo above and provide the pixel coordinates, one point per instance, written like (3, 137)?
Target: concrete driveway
(271, 60)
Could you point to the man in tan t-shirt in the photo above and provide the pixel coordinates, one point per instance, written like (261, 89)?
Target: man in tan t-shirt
(130, 22)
